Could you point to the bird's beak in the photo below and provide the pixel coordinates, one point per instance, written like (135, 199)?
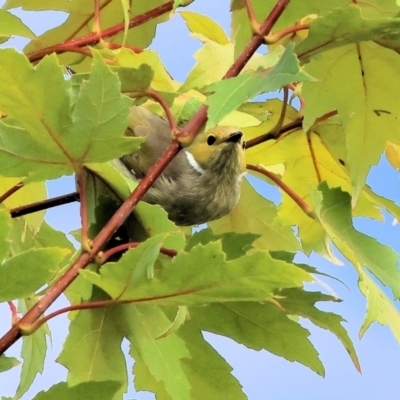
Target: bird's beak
(235, 137)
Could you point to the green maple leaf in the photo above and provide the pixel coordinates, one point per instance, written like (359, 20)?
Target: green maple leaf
(231, 93)
(43, 136)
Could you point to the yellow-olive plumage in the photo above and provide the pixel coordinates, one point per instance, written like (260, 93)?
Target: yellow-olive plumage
(203, 181)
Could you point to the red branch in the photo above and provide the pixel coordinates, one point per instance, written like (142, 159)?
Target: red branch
(94, 37)
(290, 192)
(193, 126)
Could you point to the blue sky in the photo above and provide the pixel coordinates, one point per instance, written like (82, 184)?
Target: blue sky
(262, 374)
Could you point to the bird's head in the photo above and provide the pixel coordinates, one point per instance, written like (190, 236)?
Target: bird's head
(220, 149)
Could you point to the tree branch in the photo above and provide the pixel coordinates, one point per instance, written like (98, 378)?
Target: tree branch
(44, 205)
(94, 37)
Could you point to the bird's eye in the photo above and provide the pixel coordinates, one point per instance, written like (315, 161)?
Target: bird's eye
(211, 140)
(244, 145)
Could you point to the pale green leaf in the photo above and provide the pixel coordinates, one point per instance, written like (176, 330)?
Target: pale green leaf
(259, 326)
(27, 272)
(229, 94)
(11, 25)
(7, 363)
(92, 351)
(210, 278)
(33, 351)
(104, 390)
(204, 27)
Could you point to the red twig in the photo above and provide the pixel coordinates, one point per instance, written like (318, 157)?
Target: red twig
(14, 312)
(112, 45)
(94, 37)
(10, 192)
(255, 26)
(126, 246)
(293, 195)
(154, 95)
(275, 37)
(125, 209)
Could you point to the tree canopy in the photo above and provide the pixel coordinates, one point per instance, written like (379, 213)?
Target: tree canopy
(64, 105)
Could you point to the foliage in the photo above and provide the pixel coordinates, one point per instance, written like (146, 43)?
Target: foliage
(237, 278)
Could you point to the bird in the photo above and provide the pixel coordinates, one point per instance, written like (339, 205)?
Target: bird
(202, 183)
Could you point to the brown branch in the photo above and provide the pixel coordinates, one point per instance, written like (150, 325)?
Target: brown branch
(126, 208)
(94, 37)
(10, 192)
(44, 205)
(291, 126)
(126, 246)
(291, 193)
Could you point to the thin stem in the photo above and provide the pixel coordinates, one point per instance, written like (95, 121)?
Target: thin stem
(324, 117)
(126, 246)
(14, 312)
(291, 126)
(44, 205)
(10, 192)
(277, 128)
(94, 37)
(97, 24)
(83, 208)
(275, 37)
(77, 307)
(293, 195)
(172, 123)
(255, 26)
(313, 157)
(112, 45)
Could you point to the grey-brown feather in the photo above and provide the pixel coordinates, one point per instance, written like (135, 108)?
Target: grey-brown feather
(188, 196)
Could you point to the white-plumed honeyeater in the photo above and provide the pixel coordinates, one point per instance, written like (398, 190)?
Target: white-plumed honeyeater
(202, 183)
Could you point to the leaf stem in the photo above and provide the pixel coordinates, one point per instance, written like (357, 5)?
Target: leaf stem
(126, 246)
(275, 37)
(10, 192)
(255, 26)
(291, 126)
(313, 157)
(156, 96)
(290, 192)
(83, 209)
